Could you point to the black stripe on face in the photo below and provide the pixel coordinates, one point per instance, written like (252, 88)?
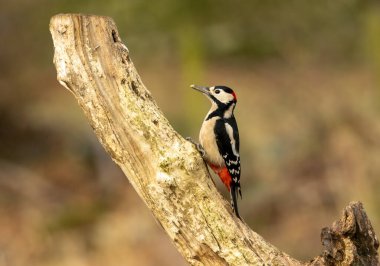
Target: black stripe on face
(222, 107)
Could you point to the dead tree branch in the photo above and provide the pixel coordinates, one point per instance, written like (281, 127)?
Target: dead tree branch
(166, 170)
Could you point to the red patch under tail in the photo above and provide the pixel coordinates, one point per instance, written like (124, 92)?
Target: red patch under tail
(224, 175)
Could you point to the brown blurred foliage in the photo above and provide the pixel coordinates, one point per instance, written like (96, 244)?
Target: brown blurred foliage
(307, 79)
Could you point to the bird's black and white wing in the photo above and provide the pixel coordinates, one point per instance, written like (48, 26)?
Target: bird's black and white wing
(226, 131)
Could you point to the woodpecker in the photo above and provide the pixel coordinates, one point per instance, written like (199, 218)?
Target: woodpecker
(219, 139)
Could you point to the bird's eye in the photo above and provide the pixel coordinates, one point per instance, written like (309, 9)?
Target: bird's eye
(217, 91)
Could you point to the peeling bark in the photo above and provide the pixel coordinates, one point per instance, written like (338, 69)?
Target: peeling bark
(166, 171)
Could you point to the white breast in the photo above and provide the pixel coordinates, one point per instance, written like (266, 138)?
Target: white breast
(207, 140)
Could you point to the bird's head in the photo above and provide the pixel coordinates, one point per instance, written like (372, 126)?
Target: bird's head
(220, 95)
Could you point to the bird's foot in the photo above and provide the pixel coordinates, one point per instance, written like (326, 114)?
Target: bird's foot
(198, 146)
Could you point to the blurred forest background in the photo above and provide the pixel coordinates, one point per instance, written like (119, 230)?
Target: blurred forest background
(307, 76)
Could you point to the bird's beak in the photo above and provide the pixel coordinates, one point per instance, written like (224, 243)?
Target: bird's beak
(204, 90)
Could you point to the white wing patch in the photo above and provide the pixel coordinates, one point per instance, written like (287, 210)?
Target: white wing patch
(230, 133)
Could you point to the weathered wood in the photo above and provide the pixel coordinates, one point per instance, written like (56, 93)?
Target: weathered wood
(166, 170)
(349, 241)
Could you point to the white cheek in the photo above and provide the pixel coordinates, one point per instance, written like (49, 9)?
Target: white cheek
(225, 97)
(230, 133)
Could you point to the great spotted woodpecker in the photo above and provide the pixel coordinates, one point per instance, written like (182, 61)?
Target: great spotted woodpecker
(219, 139)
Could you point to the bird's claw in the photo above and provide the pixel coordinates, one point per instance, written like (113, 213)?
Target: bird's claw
(198, 146)
(201, 150)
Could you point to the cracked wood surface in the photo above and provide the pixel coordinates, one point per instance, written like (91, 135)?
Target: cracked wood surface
(165, 170)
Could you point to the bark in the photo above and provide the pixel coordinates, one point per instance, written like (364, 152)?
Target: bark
(166, 171)
(350, 241)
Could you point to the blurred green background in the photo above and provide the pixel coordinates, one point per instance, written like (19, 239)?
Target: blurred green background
(307, 78)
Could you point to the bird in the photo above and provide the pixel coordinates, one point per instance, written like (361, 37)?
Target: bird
(219, 139)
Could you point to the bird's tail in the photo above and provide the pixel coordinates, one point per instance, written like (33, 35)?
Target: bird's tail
(233, 193)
